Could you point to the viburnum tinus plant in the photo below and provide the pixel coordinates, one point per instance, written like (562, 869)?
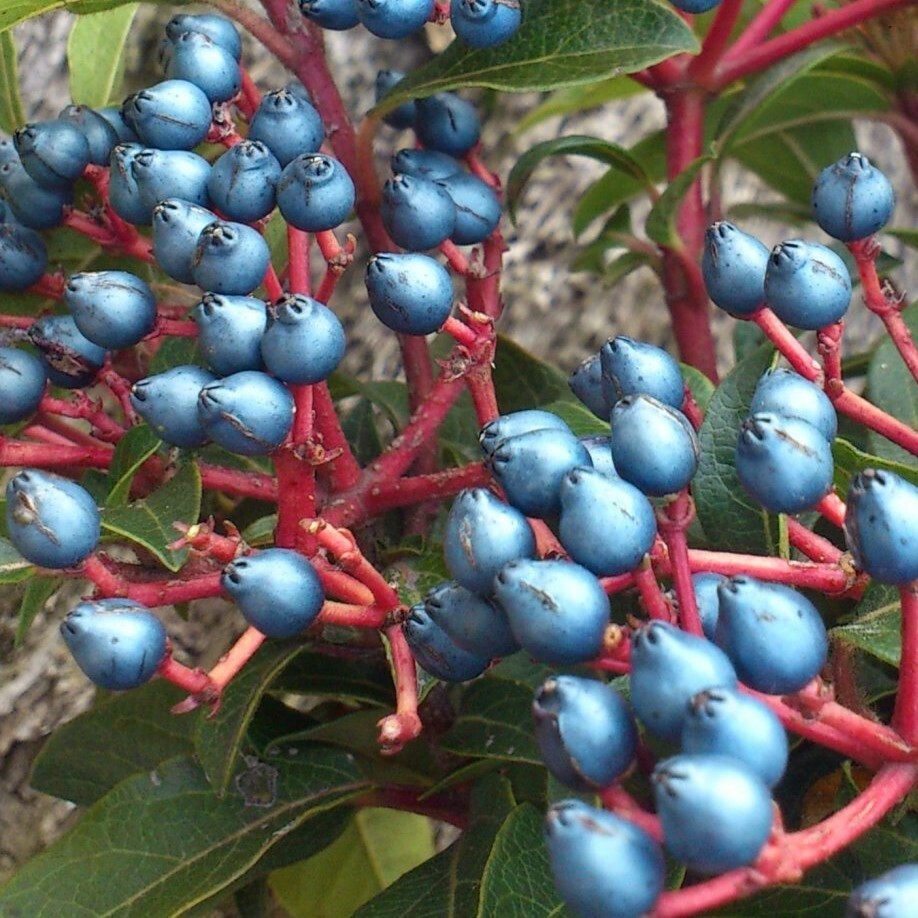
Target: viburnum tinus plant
(647, 639)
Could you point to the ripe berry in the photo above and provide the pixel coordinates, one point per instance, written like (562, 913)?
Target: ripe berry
(410, 293)
(447, 123)
(427, 164)
(277, 590)
(716, 812)
(118, 643)
(123, 190)
(303, 342)
(485, 23)
(338, 15)
(33, 205)
(586, 383)
(603, 866)
(787, 393)
(23, 257)
(200, 60)
(600, 449)
(890, 895)
(52, 521)
(229, 258)
(882, 510)
(54, 153)
(784, 463)
(806, 284)
(22, 382)
(669, 667)
(705, 585)
(229, 332)
(772, 634)
(70, 359)
(171, 115)
(653, 445)
(248, 413)
(733, 265)
(482, 535)
(243, 182)
(217, 28)
(585, 730)
(287, 124)
(630, 367)
(558, 610)
(852, 199)
(515, 423)
(417, 213)
(725, 721)
(113, 309)
(606, 524)
(162, 174)
(99, 133)
(394, 18)
(402, 116)
(436, 651)
(695, 6)
(472, 622)
(176, 228)
(168, 402)
(315, 193)
(113, 116)
(478, 208)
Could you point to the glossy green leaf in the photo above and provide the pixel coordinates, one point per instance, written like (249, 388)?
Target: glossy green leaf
(149, 521)
(560, 43)
(701, 387)
(13, 11)
(95, 55)
(261, 532)
(890, 386)
(389, 395)
(133, 449)
(13, 567)
(661, 221)
(876, 625)
(730, 518)
(522, 380)
(37, 592)
(575, 145)
(377, 848)
(579, 418)
(174, 352)
(220, 736)
(354, 675)
(123, 735)
(11, 112)
(849, 460)
(161, 843)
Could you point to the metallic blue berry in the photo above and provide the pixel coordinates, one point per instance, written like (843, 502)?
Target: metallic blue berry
(33, 205)
(176, 228)
(23, 257)
(197, 58)
(427, 164)
(217, 28)
(70, 359)
(403, 116)
(163, 174)
(485, 23)
(437, 652)
(114, 309)
(171, 115)
(515, 423)
(852, 199)
(54, 153)
(99, 133)
(410, 293)
(600, 449)
(338, 15)
(478, 208)
(243, 182)
(394, 18)
(229, 258)
(891, 895)
(230, 329)
(287, 124)
(630, 367)
(733, 265)
(447, 123)
(586, 383)
(472, 622)
(417, 213)
(168, 402)
(315, 193)
(22, 382)
(787, 393)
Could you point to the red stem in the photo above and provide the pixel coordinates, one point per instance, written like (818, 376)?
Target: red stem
(405, 724)
(678, 515)
(761, 26)
(405, 492)
(339, 463)
(815, 547)
(235, 658)
(298, 261)
(652, 598)
(905, 715)
(716, 41)
(346, 615)
(150, 593)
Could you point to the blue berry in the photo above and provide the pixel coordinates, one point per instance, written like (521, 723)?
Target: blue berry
(113, 309)
(630, 367)
(394, 18)
(200, 60)
(733, 265)
(403, 116)
(123, 191)
(249, 413)
(447, 123)
(515, 423)
(606, 524)
(171, 115)
(852, 199)
(787, 393)
(653, 445)
(338, 15)
(784, 463)
(229, 258)
(695, 6)
(54, 153)
(410, 293)
(669, 667)
(427, 164)
(52, 521)
(890, 895)
(176, 228)
(705, 585)
(277, 590)
(23, 257)
(530, 468)
(163, 174)
(586, 383)
(33, 205)
(724, 721)
(472, 622)
(70, 359)
(230, 329)
(585, 730)
(217, 28)
(772, 634)
(558, 610)
(112, 114)
(287, 124)
(437, 652)
(315, 193)
(880, 519)
(600, 449)
(22, 382)
(168, 402)
(243, 182)
(485, 23)
(99, 133)
(482, 535)
(118, 643)
(716, 812)
(806, 284)
(603, 866)
(303, 341)
(417, 213)
(478, 208)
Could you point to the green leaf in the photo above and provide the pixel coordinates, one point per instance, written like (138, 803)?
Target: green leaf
(877, 625)
(37, 592)
(95, 55)
(522, 380)
(849, 460)
(162, 843)
(220, 737)
(12, 115)
(133, 449)
(174, 352)
(701, 387)
(579, 418)
(359, 427)
(389, 395)
(661, 221)
(730, 518)
(13, 11)
(148, 521)
(890, 386)
(560, 43)
(13, 567)
(261, 532)
(575, 145)
(357, 677)
(377, 848)
(123, 735)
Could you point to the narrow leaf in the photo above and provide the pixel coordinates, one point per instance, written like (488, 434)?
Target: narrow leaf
(877, 625)
(133, 449)
(661, 221)
(95, 55)
(13, 11)
(522, 380)
(37, 592)
(11, 113)
(13, 567)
